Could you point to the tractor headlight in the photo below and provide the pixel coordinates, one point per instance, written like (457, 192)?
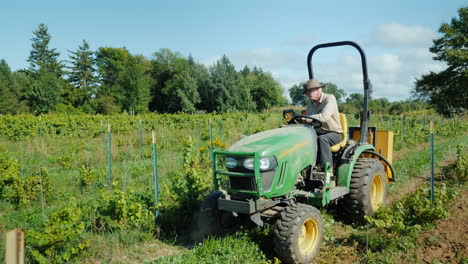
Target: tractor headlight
(231, 162)
(266, 163)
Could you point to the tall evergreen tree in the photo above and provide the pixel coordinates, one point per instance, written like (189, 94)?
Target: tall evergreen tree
(82, 77)
(41, 56)
(226, 83)
(46, 85)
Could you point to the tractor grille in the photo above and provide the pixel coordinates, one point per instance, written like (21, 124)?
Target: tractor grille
(243, 183)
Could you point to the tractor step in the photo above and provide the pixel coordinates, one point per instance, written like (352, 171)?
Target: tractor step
(337, 192)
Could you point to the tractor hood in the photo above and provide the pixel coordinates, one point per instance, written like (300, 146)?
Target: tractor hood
(278, 142)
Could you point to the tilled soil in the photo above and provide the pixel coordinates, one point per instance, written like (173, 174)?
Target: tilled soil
(447, 242)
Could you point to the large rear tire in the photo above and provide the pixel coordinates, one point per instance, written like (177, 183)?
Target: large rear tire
(368, 189)
(298, 233)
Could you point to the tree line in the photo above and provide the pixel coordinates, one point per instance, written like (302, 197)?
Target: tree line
(112, 80)
(353, 103)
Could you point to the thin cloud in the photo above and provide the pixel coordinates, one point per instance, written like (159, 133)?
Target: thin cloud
(395, 35)
(267, 58)
(300, 42)
(392, 71)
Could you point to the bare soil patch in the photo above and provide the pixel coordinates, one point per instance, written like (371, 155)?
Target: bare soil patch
(447, 242)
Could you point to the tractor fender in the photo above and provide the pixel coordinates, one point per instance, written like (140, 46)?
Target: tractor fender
(348, 160)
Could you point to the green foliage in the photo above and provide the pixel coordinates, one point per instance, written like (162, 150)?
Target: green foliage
(296, 93)
(44, 91)
(393, 230)
(9, 91)
(446, 90)
(122, 210)
(17, 191)
(331, 88)
(265, 92)
(88, 176)
(124, 83)
(112, 80)
(66, 159)
(184, 164)
(238, 248)
(60, 239)
(414, 211)
(458, 171)
(186, 189)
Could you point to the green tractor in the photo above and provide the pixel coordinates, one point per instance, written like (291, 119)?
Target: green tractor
(270, 176)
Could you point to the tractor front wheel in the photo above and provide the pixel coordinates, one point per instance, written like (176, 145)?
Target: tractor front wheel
(209, 218)
(368, 189)
(298, 233)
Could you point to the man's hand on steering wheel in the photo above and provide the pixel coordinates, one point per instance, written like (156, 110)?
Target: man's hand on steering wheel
(304, 119)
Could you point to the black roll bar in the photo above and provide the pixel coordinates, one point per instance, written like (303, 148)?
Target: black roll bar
(366, 82)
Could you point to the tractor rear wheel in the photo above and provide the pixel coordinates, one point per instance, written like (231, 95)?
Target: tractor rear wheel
(368, 189)
(298, 233)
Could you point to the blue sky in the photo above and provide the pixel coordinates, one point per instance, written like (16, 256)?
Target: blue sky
(274, 35)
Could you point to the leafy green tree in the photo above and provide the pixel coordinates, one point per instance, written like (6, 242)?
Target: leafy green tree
(44, 91)
(134, 85)
(182, 93)
(266, 92)
(41, 56)
(353, 104)
(331, 88)
(380, 105)
(204, 84)
(175, 88)
(125, 83)
(447, 90)
(82, 77)
(296, 92)
(10, 100)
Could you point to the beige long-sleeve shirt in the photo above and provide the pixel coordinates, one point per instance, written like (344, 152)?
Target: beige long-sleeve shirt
(325, 110)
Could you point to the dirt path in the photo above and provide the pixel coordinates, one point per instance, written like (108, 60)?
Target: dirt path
(451, 242)
(447, 242)
(412, 184)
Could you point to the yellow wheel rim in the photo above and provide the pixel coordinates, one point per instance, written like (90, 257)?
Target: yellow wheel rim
(376, 192)
(309, 236)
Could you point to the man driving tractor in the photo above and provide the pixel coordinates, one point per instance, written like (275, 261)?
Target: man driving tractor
(323, 106)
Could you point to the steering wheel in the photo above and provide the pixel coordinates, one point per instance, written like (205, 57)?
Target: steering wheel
(298, 119)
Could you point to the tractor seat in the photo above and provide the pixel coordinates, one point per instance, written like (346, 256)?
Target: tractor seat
(344, 126)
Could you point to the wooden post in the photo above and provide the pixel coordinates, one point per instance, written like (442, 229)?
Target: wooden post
(14, 247)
